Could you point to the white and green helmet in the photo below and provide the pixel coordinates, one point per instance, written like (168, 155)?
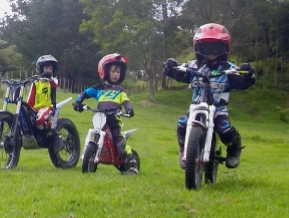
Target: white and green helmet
(46, 60)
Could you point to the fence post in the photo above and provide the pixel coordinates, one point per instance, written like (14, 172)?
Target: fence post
(64, 84)
(59, 83)
(26, 76)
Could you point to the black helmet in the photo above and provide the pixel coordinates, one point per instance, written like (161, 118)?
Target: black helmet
(46, 60)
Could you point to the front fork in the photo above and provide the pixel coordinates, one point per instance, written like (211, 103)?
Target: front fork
(91, 133)
(208, 112)
(10, 139)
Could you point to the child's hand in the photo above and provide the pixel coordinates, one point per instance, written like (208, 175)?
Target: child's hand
(78, 106)
(46, 75)
(170, 64)
(247, 67)
(130, 112)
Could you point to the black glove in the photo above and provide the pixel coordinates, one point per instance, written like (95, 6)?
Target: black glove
(46, 75)
(78, 106)
(130, 112)
(169, 65)
(250, 71)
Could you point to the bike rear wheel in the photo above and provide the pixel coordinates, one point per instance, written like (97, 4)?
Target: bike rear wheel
(68, 154)
(211, 167)
(194, 162)
(88, 165)
(9, 154)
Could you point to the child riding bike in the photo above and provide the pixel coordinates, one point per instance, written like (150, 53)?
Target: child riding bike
(212, 44)
(111, 97)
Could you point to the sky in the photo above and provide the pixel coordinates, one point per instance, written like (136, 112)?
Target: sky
(4, 7)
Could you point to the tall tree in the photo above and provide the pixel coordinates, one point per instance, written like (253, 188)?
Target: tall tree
(133, 28)
(52, 27)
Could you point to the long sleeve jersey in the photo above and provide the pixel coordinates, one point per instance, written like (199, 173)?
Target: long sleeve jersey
(109, 97)
(220, 86)
(43, 94)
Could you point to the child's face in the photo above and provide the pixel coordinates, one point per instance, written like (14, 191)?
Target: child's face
(48, 68)
(211, 57)
(114, 73)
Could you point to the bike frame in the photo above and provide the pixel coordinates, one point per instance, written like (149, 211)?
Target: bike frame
(22, 116)
(104, 141)
(206, 111)
(106, 152)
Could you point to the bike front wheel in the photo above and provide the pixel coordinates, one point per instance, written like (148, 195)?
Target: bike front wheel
(88, 165)
(194, 159)
(10, 153)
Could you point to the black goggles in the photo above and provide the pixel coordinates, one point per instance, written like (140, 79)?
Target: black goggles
(206, 49)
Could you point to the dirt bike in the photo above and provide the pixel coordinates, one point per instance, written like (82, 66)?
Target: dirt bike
(19, 130)
(99, 147)
(202, 154)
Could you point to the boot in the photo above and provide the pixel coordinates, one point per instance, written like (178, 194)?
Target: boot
(234, 151)
(181, 151)
(130, 164)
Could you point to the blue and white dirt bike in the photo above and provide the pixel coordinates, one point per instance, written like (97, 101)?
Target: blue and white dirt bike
(19, 130)
(202, 154)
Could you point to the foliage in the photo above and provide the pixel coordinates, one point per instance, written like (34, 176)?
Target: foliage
(9, 58)
(52, 27)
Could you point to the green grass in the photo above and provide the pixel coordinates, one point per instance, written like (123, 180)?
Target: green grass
(258, 188)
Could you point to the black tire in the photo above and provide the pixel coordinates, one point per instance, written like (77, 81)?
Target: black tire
(211, 168)
(194, 165)
(136, 157)
(71, 145)
(12, 157)
(88, 164)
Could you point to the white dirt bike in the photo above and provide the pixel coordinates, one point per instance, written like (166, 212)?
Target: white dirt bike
(201, 153)
(99, 146)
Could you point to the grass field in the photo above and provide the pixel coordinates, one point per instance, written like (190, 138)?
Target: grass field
(257, 189)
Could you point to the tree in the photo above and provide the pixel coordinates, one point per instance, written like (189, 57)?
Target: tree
(9, 59)
(134, 28)
(52, 27)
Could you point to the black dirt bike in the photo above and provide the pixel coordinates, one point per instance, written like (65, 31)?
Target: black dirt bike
(19, 129)
(201, 153)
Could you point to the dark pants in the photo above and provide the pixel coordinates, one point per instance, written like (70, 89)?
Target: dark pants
(115, 126)
(223, 128)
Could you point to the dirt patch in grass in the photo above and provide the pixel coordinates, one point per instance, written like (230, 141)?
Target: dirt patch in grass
(146, 103)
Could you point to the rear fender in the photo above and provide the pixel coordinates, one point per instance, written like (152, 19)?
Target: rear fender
(128, 132)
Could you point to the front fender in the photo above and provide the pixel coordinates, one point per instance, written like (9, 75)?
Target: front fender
(7, 112)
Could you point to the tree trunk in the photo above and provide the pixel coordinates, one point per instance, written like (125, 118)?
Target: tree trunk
(151, 73)
(165, 18)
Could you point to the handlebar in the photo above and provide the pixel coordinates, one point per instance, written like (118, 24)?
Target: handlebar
(94, 110)
(12, 82)
(214, 73)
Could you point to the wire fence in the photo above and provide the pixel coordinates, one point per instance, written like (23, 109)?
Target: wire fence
(75, 86)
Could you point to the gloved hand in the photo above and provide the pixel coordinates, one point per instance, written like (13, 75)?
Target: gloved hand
(169, 65)
(47, 75)
(78, 106)
(130, 112)
(247, 67)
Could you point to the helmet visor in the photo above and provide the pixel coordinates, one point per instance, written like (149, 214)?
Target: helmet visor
(211, 48)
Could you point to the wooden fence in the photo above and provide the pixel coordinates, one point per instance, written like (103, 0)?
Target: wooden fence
(74, 86)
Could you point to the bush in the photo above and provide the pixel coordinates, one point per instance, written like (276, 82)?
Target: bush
(284, 115)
